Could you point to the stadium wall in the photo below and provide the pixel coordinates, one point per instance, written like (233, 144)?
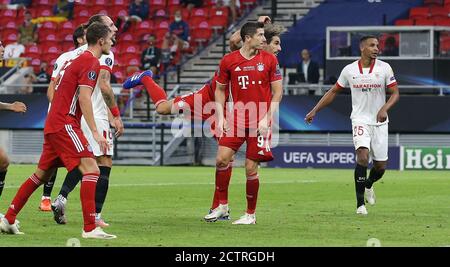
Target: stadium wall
(310, 31)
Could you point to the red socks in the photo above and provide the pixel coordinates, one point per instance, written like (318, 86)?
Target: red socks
(87, 196)
(21, 198)
(223, 176)
(252, 187)
(156, 93)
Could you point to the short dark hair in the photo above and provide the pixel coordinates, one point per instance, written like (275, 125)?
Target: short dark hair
(365, 37)
(96, 31)
(250, 28)
(95, 18)
(78, 33)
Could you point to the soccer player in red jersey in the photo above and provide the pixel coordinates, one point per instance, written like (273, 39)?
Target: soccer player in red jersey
(64, 142)
(196, 102)
(256, 89)
(16, 107)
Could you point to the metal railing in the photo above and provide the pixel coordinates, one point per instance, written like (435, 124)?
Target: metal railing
(320, 89)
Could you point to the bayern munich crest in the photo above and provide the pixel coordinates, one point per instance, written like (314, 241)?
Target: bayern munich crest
(260, 67)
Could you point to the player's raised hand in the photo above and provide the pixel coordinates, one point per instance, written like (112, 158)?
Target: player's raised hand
(118, 125)
(310, 117)
(264, 19)
(18, 107)
(382, 115)
(104, 147)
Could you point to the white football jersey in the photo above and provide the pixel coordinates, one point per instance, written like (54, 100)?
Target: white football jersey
(368, 89)
(106, 62)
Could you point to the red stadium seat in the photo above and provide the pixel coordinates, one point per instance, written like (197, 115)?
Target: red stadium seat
(51, 53)
(99, 3)
(48, 27)
(120, 77)
(43, 12)
(32, 51)
(142, 28)
(198, 15)
(444, 45)
(66, 27)
(82, 2)
(133, 61)
(36, 64)
(82, 16)
(44, 3)
(404, 22)
(99, 10)
(218, 18)
(424, 22)
(118, 11)
(160, 15)
(10, 25)
(130, 50)
(201, 33)
(122, 3)
(66, 46)
(419, 13)
(128, 38)
(9, 36)
(7, 15)
(157, 4)
(173, 5)
(438, 12)
(160, 30)
(442, 22)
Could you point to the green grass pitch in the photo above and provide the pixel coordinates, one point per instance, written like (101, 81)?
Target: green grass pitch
(164, 206)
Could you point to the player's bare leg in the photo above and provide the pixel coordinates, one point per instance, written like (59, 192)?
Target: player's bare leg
(362, 161)
(223, 175)
(252, 187)
(9, 224)
(376, 173)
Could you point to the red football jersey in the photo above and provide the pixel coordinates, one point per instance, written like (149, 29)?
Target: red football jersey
(65, 108)
(250, 81)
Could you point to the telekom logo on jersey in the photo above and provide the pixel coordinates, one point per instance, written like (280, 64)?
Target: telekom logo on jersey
(243, 81)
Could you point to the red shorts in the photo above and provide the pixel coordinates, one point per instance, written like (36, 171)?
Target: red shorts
(200, 103)
(64, 148)
(258, 147)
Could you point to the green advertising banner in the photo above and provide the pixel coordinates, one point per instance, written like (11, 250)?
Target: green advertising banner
(425, 158)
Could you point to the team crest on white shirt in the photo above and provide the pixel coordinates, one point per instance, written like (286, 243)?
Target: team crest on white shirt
(260, 67)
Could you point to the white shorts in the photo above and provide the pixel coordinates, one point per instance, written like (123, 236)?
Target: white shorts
(103, 128)
(373, 137)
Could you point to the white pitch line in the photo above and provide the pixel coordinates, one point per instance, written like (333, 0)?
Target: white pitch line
(210, 183)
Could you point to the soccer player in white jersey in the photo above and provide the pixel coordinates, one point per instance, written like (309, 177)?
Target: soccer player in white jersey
(102, 99)
(368, 78)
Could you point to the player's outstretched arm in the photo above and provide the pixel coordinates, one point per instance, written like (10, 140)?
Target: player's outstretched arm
(326, 99)
(108, 96)
(395, 96)
(16, 106)
(86, 108)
